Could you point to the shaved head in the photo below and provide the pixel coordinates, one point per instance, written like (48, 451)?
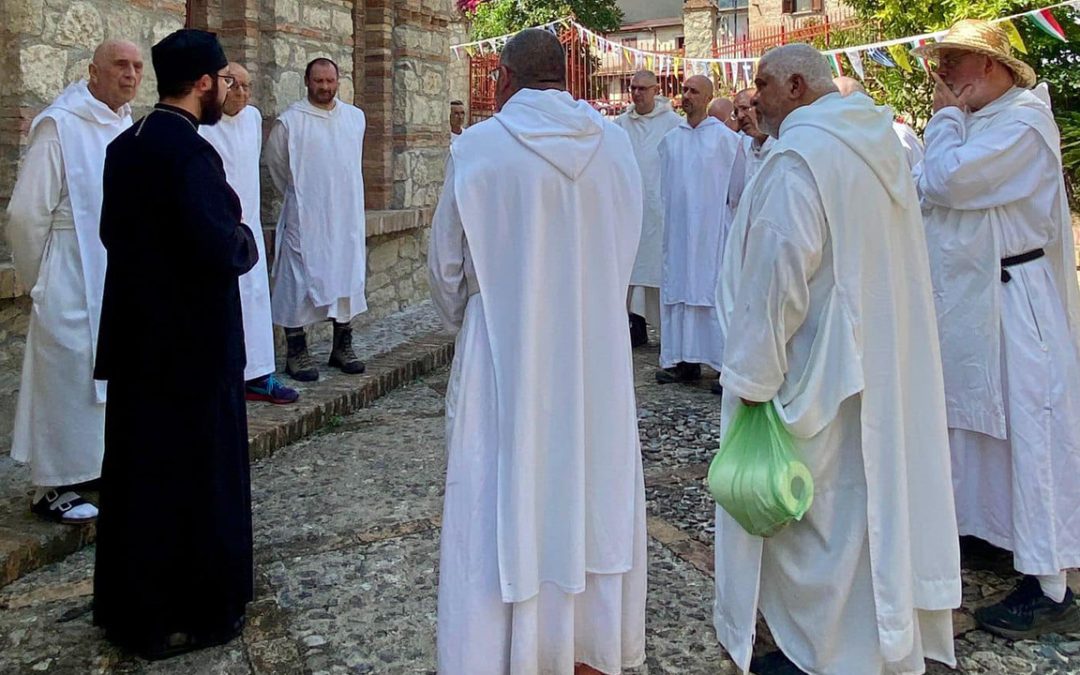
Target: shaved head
(536, 57)
(724, 110)
(107, 50)
(115, 73)
(848, 85)
(643, 91)
(645, 78)
(701, 83)
(532, 59)
(238, 71)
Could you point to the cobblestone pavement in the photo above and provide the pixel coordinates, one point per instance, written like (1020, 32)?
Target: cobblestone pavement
(346, 531)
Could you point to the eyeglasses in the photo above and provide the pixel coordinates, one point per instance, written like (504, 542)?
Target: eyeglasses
(230, 81)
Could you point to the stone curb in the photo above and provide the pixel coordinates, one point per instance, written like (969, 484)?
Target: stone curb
(270, 428)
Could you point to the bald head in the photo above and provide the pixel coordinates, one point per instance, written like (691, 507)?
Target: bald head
(724, 110)
(115, 73)
(697, 93)
(848, 85)
(239, 94)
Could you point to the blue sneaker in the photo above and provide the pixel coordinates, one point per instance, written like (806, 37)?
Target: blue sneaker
(269, 389)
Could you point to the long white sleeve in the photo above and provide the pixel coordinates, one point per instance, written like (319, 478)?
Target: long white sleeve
(277, 157)
(783, 249)
(448, 258)
(981, 172)
(38, 193)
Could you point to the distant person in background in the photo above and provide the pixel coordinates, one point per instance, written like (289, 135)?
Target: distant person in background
(723, 109)
(457, 119)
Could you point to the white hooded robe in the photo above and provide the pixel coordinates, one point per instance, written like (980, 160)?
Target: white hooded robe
(543, 539)
(54, 215)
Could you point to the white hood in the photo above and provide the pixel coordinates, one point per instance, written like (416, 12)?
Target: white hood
(564, 132)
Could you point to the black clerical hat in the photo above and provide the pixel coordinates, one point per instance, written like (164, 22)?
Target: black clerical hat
(187, 55)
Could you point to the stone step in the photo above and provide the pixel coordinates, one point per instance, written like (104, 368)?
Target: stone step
(397, 350)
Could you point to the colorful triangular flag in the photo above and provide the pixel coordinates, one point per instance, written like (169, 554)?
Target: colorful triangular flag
(1015, 40)
(881, 57)
(855, 58)
(900, 55)
(834, 61)
(922, 62)
(1046, 22)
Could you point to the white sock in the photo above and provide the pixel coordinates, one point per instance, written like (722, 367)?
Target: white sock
(1053, 585)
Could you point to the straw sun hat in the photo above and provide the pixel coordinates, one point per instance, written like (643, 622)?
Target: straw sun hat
(972, 35)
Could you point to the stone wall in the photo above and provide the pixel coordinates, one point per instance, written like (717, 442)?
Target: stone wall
(395, 64)
(699, 28)
(770, 14)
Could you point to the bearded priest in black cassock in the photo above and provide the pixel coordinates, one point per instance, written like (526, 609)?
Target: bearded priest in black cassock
(174, 557)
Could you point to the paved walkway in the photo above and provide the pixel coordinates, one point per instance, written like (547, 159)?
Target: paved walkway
(346, 531)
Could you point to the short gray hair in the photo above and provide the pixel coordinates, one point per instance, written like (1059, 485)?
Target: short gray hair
(799, 59)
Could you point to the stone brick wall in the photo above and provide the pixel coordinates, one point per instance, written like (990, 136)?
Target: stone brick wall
(769, 14)
(395, 64)
(699, 28)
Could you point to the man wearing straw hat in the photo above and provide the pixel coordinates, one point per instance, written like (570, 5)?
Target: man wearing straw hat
(1001, 250)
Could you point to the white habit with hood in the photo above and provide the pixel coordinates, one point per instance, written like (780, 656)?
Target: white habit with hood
(755, 154)
(53, 221)
(238, 139)
(702, 170)
(992, 187)
(826, 298)
(543, 536)
(910, 141)
(314, 157)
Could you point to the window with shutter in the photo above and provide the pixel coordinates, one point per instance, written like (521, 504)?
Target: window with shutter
(788, 6)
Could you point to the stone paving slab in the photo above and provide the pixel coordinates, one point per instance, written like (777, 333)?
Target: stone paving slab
(397, 350)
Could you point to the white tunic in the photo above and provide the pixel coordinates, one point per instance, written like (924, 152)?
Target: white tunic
(646, 132)
(991, 187)
(53, 230)
(755, 154)
(702, 173)
(833, 322)
(315, 158)
(910, 141)
(238, 139)
(543, 539)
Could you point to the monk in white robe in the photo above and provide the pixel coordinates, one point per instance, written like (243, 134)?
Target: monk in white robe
(314, 154)
(826, 299)
(701, 169)
(1001, 250)
(646, 123)
(909, 140)
(756, 143)
(237, 137)
(53, 220)
(723, 110)
(543, 564)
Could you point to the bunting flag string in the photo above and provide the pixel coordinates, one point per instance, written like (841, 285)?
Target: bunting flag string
(891, 53)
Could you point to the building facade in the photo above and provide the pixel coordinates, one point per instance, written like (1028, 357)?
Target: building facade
(395, 64)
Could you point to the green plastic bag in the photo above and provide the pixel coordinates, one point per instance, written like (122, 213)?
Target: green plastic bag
(756, 476)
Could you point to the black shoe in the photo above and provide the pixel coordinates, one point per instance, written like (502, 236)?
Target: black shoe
(342, 355)
(717, 389)
(682, 372)
(1027, 613)
(298, 362)
(774, 663)
(182, 643)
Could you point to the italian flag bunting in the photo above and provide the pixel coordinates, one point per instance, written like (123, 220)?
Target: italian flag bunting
(834, 61)
(1046, 22)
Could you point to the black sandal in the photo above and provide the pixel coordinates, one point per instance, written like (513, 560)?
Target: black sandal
(53, 505)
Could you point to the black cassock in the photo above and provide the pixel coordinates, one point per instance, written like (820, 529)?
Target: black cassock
(174, 552)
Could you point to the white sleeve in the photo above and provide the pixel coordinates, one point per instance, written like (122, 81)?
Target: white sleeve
(36, 196)
(989, 170)
(446, 257)
(277, 156)
(782, 251)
